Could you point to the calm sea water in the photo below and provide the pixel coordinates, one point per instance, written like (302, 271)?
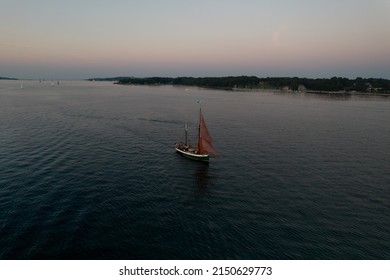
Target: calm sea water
(88, 171)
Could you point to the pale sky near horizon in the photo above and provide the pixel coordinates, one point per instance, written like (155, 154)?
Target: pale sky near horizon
(77, 39)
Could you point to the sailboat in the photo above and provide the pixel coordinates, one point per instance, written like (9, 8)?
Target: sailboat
(204, 146)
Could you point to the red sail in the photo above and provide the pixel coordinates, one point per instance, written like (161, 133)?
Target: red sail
(205, 142)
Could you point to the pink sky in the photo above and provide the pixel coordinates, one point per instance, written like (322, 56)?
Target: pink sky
(273, 38)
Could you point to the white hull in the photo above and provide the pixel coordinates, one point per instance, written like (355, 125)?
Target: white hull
(193, 155)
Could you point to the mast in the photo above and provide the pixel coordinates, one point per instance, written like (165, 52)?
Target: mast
(186, 133)
(200, 146)
(200, 116)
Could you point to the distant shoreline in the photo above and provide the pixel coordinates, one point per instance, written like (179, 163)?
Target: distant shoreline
(334, 86)
(5, 78)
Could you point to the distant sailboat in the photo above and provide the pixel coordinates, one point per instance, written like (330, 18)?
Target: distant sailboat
(204, 146)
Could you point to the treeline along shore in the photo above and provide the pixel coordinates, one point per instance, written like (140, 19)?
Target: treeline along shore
(5, 78)
(332, 85)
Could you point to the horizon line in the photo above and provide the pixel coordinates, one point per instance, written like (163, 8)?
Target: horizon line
(184, 76)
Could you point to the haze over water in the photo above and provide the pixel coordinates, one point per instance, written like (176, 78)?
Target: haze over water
(88, 171)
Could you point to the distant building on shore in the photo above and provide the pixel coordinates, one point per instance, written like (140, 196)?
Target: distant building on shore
(301, 88)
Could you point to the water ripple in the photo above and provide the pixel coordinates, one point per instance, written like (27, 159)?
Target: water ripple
(87, 174)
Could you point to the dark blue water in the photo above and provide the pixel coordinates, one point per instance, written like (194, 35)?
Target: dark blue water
(88, 171)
